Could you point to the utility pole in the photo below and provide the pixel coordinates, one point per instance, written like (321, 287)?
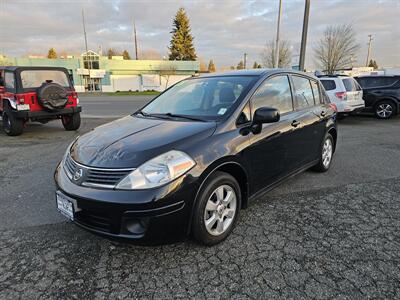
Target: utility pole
(89, 62)
(276, 62)
(244, 60)
(304, 35)
(369, 49)
(135, 38)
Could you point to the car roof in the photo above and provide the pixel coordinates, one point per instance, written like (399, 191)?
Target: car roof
(322, 77)
(256, 72)
(375, 76)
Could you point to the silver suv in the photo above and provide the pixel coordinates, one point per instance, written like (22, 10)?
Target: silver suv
(344, 92)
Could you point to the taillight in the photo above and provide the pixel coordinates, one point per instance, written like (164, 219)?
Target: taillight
(333, 106)
(20, 99)
(341, 95)
(74, 96)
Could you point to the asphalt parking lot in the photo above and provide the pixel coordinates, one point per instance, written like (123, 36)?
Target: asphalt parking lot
(318, 236)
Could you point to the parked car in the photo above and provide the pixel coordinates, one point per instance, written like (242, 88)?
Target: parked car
(345, 92)
(196, 154)
(37, 94)
(381, 94)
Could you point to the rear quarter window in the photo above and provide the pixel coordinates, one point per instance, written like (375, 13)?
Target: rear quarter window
(348, 84)
(329, 84)
(9, 81)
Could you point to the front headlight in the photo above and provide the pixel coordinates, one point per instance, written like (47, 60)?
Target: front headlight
(158, 171)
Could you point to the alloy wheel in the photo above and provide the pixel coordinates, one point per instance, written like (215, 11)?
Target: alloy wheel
(220, 210)
(327, 152)
(384, 110)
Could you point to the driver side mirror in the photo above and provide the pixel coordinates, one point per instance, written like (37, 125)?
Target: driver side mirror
(2, 89)
(266, 115)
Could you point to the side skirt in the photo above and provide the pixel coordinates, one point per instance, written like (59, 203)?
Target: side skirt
(282, 179)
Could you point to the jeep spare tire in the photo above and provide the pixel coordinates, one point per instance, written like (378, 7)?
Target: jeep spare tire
(52, 96)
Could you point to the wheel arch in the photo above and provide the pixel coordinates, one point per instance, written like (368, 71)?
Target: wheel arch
(232, 167)
(333, 132)
(8, 101)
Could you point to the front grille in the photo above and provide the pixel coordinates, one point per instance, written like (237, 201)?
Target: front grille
(93, 177)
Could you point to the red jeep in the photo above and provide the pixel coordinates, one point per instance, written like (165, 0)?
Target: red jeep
(37, 94)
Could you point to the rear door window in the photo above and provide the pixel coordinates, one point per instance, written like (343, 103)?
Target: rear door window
(9, 79)
(328, 84)
(316, 91)
(303, 93)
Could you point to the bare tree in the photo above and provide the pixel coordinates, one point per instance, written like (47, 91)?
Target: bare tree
(285, 54)
(171, 70)
(337, 48)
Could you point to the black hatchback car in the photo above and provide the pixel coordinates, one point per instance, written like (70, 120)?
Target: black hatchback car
(195, 155)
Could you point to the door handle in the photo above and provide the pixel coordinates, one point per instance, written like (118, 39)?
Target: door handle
(323, 113)
(295, 123)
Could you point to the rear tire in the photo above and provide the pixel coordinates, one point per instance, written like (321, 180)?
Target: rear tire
(217, 209)
(384, 109)
(12, 126)
(325, 154)
(71, 122)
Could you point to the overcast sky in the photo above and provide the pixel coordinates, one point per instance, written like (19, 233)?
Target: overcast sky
(223, 30)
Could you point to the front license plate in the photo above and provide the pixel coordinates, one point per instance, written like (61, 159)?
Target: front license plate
(65, 206)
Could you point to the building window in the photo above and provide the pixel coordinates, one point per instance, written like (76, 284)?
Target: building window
(91, 60)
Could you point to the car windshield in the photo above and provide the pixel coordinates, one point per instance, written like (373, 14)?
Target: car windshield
(207, 98)
(35, 78)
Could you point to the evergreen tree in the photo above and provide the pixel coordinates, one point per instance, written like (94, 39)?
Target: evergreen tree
(181, 45)
(126, 55)
(211, 66)
(111, 52)
(256, 65)
(52, 53)
(373, 64)
(240, 65)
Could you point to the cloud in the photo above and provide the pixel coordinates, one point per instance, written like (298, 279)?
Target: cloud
(223, 29)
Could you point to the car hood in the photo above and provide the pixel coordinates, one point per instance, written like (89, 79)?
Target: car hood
(131, 141)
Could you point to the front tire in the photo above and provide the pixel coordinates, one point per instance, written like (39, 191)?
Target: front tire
(12, 126)
(72, 122)
(385, 109)
(217, 209)
(326, 154)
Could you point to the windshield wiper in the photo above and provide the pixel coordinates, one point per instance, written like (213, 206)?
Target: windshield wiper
(168, 116)
(171, 115)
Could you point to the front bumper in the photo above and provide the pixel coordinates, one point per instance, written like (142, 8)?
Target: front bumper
(152, 214)
(43, 114)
